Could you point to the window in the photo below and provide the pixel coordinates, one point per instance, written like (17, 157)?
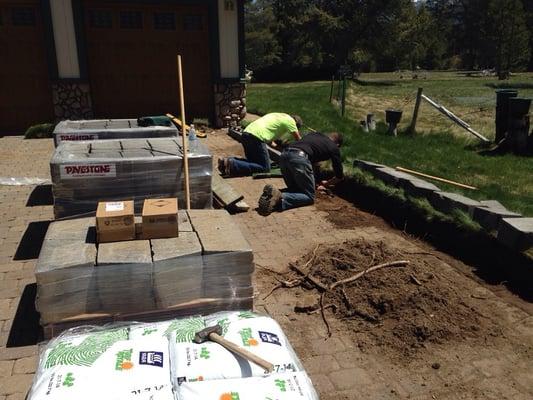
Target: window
(131, 20)
(192, 23)
(100, 19)
(165, 21)
(23, 16)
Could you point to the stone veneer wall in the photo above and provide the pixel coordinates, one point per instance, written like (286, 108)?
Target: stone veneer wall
(72, 100)
(230, 104)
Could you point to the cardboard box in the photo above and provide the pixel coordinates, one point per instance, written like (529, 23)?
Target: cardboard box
(115, 221)
(160, 218)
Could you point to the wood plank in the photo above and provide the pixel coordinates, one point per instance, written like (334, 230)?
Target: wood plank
(224, 192)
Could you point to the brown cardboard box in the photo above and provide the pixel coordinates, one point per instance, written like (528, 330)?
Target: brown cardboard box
(115, 221)
(160, 218)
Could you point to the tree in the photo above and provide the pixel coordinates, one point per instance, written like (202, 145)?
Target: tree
(509, 36)
(261, 47)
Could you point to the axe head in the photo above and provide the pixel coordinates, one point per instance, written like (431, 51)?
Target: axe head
(203, 335)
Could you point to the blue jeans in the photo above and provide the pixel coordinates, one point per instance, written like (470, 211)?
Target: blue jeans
(298, 176)
(257, 158)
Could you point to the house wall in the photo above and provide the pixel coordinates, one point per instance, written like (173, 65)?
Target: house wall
(228, 38)
(65, 39)
(72, 92)
(71, 96)
(230, 90)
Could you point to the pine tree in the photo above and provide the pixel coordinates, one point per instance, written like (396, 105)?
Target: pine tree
(508, 34)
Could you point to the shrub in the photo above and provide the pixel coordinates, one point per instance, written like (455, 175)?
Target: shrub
(39, 131)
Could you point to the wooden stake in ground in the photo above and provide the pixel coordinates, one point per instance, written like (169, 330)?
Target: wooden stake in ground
(410, 171)
(184, 136)
(412, 128)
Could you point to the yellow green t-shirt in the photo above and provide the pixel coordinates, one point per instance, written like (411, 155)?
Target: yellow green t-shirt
(273, 126)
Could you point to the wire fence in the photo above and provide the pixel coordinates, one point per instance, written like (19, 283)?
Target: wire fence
(337, 93)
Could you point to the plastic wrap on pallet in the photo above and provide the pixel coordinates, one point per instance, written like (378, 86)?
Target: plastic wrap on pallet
(141, 361)
(208, 268)
(108, 129)
(227, 255)
(86, 172)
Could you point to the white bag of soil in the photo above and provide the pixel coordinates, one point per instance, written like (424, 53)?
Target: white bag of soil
(295, 386)
(191, 362)
(103, 364)
(158, 330)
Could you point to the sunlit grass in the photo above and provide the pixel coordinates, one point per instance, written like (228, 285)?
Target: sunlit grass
(505, 178)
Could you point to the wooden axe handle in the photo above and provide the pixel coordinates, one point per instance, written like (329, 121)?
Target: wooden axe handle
(268, 367)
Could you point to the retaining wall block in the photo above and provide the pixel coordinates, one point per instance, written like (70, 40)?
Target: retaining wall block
(419, 188)
(368, 166)
(445, 202)
(490, 214)
(391, 176)
(516, 233)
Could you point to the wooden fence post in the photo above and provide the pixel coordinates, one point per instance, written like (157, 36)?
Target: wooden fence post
(412, 127)
(339, 89)
(331, 91)
(343, 104)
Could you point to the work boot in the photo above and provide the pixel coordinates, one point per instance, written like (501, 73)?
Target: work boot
(223, 166)
(269, 200)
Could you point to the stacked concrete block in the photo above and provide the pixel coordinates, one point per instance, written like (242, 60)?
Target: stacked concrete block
(108, 129)
(227, 255)
(208, 267)
(391, 176)
(124, 276)
(516, 233)
(177, 269)
(446, 202)
(65, 270)
(490, 214)
(367, 165)
(419, 188)
(84, 173)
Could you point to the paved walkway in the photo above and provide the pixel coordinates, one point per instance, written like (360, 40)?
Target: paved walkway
(339, 368)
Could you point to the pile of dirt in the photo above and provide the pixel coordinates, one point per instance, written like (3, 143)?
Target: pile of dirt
(401, 306)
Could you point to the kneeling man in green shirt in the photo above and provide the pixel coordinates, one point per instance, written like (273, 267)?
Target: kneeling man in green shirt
(254, 140)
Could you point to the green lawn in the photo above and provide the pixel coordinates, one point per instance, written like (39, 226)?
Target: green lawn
(505, 178)
(472, 99)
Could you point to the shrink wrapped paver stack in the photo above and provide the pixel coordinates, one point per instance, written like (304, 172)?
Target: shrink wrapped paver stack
(86, 172)
(158, 361)
(210, 264)
(108, 129)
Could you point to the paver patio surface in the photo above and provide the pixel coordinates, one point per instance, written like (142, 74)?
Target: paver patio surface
(339, 366)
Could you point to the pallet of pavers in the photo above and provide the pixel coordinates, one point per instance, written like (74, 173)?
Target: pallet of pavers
(66, 131)
(207, 268)
(86, 172)
(160, 361)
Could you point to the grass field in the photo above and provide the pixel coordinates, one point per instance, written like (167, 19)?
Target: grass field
(433, 150)
(471, 99)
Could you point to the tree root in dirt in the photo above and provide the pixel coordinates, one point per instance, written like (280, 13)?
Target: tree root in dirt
(366, 285)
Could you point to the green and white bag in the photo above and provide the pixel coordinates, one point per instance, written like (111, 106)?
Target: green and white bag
(295, 386)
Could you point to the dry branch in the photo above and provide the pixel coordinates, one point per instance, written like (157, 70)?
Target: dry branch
(310, 278)
(323, 314)
(362, 273)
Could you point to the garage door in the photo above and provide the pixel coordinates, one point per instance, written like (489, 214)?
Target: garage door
(132, 58)
(25, 94)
